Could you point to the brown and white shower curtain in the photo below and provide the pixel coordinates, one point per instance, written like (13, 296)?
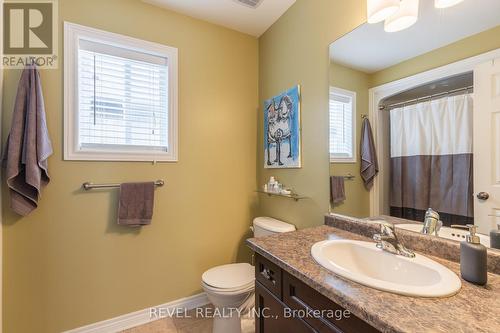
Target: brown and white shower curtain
(431, 159)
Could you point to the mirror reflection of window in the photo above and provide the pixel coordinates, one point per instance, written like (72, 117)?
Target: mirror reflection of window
(342, 125)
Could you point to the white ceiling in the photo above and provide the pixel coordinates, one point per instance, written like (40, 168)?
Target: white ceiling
(370, 49)
(230, 13)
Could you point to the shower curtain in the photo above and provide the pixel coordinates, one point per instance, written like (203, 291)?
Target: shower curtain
(431, 159)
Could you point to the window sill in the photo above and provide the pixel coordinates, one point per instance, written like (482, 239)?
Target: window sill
(343, 161)
(103, 156)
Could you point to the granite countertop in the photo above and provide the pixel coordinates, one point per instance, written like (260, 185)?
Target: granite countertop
(473, 309)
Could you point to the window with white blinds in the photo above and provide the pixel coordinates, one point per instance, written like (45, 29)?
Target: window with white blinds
(342, 125)
(123, 99)
(124, 102)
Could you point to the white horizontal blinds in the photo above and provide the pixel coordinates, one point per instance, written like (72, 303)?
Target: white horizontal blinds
(341, 131)
(123, 98)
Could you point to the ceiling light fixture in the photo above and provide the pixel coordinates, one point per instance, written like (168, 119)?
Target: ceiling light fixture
(399, 14)
(379, 10)
(405, 17)
(446, 3)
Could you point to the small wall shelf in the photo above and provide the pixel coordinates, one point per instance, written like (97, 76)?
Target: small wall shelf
(293, 196)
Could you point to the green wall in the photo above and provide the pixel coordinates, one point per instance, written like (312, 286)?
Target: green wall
(69, 264)
(468, 47)
(295, 51)
(357, 201)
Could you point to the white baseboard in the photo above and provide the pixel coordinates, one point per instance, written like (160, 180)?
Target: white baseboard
(140, 317)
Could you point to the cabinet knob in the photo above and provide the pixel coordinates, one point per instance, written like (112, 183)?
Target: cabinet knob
(267, 274)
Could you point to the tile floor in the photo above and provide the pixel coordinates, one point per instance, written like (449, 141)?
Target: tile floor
(187, 325)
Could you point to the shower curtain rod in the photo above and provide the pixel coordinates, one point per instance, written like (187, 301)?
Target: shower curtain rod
(416, 100)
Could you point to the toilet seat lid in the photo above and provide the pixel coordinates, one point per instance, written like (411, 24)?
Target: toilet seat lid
(273, 225)
(231, 276)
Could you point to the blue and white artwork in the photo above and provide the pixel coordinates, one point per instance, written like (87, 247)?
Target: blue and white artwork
(282, 130)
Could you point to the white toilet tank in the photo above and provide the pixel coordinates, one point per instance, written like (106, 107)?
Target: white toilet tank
(263, 226)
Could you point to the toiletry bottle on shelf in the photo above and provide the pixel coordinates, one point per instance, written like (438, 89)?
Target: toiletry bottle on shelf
(495, 237)
(473, 257)
(271, 185)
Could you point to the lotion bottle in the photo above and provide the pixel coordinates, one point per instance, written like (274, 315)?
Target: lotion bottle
(495, 237)
(473, 257)
(271, 184)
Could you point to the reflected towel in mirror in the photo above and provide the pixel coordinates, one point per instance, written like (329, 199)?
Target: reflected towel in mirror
(337, 189)
(369, 161)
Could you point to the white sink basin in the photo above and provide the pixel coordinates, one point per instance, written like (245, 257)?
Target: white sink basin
(446, 232)
(364, 263)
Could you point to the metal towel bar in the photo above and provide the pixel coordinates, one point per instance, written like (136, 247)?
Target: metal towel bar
(89, 186)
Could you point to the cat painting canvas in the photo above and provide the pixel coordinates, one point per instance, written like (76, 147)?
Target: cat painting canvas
(282, 130)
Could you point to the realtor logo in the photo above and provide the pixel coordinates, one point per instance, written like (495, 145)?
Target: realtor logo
(29, 33)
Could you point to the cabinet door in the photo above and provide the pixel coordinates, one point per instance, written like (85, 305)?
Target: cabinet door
(299, 296)
(270, 315)
(269, 275)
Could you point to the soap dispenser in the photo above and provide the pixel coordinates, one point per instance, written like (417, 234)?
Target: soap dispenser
(473, 257)
(495, 237)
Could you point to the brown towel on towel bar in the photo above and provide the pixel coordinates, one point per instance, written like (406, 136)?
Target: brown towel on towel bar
(369, 162)
(28, 145)
(136, 204)
(337, 189)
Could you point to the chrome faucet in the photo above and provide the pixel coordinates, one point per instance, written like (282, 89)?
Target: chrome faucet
(432, 223)
(388, 241)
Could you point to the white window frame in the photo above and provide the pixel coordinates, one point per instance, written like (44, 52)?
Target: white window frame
(73, 33)
(352, 94)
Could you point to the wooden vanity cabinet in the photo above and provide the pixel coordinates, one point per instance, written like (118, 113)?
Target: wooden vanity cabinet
(278, 295)
(271, 311)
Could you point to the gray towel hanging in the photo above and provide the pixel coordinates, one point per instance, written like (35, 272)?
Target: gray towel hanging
(369, 161)
(28, 145)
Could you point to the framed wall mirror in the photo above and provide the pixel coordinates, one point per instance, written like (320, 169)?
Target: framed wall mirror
(415, 121)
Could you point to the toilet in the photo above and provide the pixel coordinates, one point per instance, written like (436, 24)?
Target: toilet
(230, 288)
